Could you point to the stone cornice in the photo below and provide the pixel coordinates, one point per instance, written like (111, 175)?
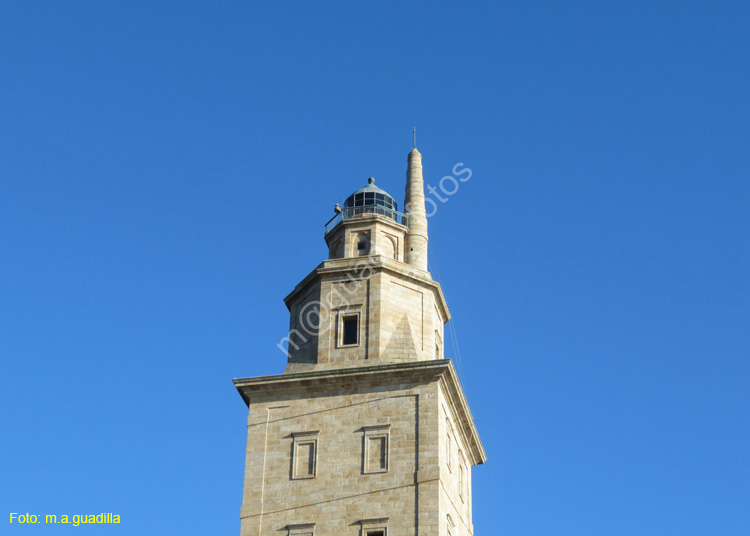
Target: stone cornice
(353, 266)
(440, 369)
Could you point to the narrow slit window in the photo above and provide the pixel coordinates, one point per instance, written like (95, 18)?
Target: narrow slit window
(448, 446)
(461, 478)
(350, 330)
(377, 452)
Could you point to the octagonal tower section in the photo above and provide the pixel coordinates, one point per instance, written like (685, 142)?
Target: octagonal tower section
(365, 305)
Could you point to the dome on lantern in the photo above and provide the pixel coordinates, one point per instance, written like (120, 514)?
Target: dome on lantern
(371, 196)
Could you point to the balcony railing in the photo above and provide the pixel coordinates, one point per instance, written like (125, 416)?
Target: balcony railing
(353, 212)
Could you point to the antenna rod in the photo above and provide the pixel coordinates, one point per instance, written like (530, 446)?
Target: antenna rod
(415, 138)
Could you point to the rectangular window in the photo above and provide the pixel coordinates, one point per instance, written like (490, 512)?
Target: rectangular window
(350, 330)
(461, 476)
(305, 459)
(375, 449)
(302, 529)
(304, 455)
(378, 449)
(374, 527)
(448, 448)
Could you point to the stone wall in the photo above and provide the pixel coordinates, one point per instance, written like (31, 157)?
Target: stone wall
(400, 313)
(344, 489)
(388, 446)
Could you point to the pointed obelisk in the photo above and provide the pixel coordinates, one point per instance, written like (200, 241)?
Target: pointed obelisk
(414, 206)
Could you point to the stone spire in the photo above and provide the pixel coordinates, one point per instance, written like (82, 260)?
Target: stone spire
(416, 237)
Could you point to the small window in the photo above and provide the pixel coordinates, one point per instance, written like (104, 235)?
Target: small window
(305, 459)
(360, 244)
(374, 527)
(378, 447)
(302, 529)
(375, 451)
(448, 447)
(350, 330)
(461, 477)
(304, 455)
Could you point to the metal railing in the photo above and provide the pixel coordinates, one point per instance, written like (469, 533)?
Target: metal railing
(353, 212)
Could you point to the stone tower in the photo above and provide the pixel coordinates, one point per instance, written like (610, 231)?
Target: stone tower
(367, 431)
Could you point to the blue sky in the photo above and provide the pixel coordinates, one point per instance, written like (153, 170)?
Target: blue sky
(166, 169)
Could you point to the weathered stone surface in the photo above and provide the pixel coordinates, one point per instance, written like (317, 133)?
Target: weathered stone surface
(379, 292)
(418, 405)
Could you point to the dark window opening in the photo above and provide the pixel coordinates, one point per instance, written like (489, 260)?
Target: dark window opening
(361, 245)
(375, 533)
(377, 450)
(350, 330)
(306, 462)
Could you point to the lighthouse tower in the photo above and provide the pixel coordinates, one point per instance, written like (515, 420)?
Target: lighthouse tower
(367, 431)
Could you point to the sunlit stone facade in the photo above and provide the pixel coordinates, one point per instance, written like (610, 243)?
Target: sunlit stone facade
(367, 431)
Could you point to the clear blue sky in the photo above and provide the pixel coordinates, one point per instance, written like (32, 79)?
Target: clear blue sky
(165, 172)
